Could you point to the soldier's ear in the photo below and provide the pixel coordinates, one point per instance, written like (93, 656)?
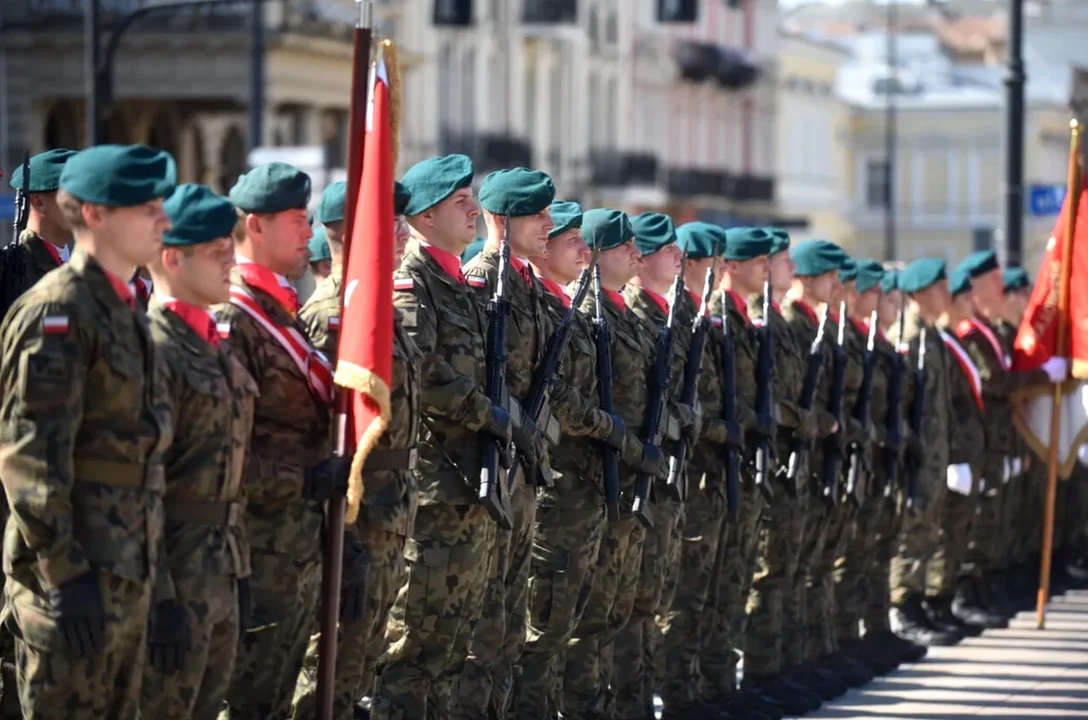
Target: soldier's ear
(37, 201)
(254, 225)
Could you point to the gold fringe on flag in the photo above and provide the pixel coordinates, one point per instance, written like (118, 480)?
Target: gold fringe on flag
(392, 69)
(352, 376)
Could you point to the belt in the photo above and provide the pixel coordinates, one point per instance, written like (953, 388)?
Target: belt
(109, 472)
(403, 459)
(196, 512)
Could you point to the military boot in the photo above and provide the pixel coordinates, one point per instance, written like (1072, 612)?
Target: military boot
(695, 711)
(939, 615)
(969, 610)
(876, 658)
(738, 706)
(909, 622)
(794, 701)
(991, 593)
(823, 682)
(853, 671)
(887, 648)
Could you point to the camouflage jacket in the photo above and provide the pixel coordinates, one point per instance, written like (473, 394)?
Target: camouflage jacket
(85, 418)
(746, 355)
(632, 359)
(37, 260)
(290, 431)
(968, 443)
(321, 314)
(652, 319)
(447, 324)
(211, 400)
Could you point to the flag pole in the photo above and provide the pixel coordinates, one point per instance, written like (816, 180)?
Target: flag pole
(1073, 190)
(332, 565)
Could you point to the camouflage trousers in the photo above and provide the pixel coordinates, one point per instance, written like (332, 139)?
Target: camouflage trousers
(358, 642)
(725, 622)
(820, 622)
(986, 534)
(611, 601)
(197, 691)
(636, 642)
(449, 557)
(286, 591)
(853, 566)
(950, 562)
(888, 521)
(488, 676)
(53, 685)
(919, 542)
(570, 525)
(1028, 525)
(682, 620)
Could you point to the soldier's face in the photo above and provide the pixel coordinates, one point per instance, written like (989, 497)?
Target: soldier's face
(203, 271)
(567, 254)
(1016, 304)
(45, 204)
(888, 308)
(782, 268)
(747, 275)
(618, 265)
(663, 266)
(453, 221)
(528, 234)
(820, 287)
(960, 308)
(284, 238)
(988, 287)
(133, 233)
(401, 235)
(864, 303)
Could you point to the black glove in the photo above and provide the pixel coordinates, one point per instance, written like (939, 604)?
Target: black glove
(765, 428)
(245, 606)
(168, 637)
(499, 425)
(618, 437)
(653, 462)
(76, 606)
(327, 480)
(355, 578)
(529, 440)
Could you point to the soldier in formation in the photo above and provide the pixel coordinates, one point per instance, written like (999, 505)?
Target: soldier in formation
(696, 445)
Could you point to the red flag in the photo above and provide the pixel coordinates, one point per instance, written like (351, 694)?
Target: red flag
(365, 353)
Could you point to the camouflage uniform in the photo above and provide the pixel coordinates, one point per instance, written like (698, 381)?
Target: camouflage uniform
(966, 446)
(776, 606)
(385, 518)
(912, 570)
(212, 398)
(635, 644)
(453, 540)
(570, 524)
(290, 435)
(723, 632)
(86, 419)
(615, 585)
(37, 260)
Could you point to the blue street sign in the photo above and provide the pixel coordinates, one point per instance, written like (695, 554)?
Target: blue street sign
(1045, 199)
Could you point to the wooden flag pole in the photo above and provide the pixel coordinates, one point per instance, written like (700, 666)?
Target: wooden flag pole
(1062, 350)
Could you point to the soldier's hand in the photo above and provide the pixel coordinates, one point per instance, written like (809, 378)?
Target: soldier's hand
(766, 428)
(653, 462)
(498, 426)
(529, 440)
(327, 480)
(76, 606)
(355, 579)
(245, 606)
(618, 437)
(168, 637)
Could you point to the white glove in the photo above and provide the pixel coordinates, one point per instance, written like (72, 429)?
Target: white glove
(1082, 455)
(959, 478)
(1017, 466)
(1057, 368)
(1008, 470)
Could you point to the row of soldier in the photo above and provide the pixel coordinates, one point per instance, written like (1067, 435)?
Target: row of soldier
(746, 449)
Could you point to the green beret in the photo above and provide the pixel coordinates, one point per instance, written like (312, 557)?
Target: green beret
(979, 263)
(890, 281)
(516, 192)
(747, 243)
(45, 170)
(870, 275)
(119, 175)
(700, 240)
(816, 257)
(319, 246)
(474, 248)
(330, 208)
(780, 240)
(1015, 278)
(653, 231)
(272, 188)
(959, 282)
(400, 198)
(849, 270)
(198, 215)
(431, 181)
(605, 228)
(920, 274)
(566, 216)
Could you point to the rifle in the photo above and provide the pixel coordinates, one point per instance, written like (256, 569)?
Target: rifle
(729, 415)
(808, 397)
(544, 378)
(833, 448)
(494, 452)
(677, 482)
(914, 502)
(12, 260)
(895, 399)
(610, 456)
(854, 490)
(659, 396)
(764, 401)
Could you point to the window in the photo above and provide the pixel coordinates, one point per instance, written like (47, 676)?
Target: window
(876, 183)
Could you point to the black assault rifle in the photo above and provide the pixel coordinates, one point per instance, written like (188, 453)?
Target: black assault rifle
(808, 397)
(854, 489)
(12, 260)
(735, 436)
(895, 402)
(764, 400)
(913, 501)
(610, 456)
(494, 452)
(833, 445)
